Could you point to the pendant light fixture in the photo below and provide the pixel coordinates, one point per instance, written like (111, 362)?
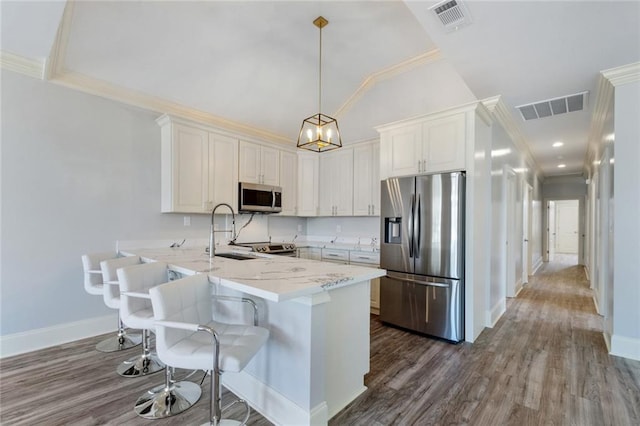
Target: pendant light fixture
(319, 132)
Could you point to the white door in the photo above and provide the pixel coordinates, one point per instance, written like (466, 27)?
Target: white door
(567, 227)
(510, 223)
(551, 230)
(525, 232)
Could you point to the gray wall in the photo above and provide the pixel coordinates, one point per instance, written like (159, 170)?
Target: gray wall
(506, 154)
(78, 173)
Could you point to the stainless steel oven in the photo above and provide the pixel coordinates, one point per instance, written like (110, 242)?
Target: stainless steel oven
(279, 249)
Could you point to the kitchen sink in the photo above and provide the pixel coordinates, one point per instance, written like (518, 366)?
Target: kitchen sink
(236, 256)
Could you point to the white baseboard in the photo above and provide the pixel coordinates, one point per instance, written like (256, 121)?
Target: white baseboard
(518, 287)
(626, 347)
(33, 340)
(537, 265)
(595, 304)
(273, 405)
(607, 340)
(496, 313)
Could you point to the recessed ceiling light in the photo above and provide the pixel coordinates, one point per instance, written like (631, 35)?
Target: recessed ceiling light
(557, 144)
(562, 166)
(500, 152)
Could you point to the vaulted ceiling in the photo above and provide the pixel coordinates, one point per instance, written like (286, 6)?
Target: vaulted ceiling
(253, 66)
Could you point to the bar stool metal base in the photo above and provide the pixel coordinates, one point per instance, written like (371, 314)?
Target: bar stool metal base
(141, 365)
(119, 343)
(161, 402)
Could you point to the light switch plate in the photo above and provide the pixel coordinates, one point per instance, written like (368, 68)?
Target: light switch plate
(187, 221)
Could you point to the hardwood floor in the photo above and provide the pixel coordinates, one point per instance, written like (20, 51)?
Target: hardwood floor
(544, 363)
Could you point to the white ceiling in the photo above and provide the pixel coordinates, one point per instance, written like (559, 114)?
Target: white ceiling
(255, 63)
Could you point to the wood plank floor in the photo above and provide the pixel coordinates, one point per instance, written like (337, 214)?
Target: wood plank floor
(544, 363)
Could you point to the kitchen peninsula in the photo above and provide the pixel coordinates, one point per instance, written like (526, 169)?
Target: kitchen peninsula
(318, 314)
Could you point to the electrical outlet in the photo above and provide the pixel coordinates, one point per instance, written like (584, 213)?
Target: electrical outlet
(299, 228)
(187, 221)
(338, 228)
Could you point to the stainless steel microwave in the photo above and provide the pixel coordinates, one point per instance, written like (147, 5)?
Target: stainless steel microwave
(255, 197)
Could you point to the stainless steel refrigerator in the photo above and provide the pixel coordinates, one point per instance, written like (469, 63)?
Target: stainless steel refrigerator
(422, 249)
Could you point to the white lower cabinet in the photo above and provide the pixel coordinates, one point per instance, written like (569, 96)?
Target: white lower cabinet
(335, 256)
(369, 260)
(199, 168)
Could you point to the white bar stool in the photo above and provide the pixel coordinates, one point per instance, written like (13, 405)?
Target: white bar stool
(94, 284)
(111, 293)
(187, 337)
(136, 312)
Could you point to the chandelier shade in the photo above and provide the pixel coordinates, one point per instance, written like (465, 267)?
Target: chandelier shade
(319, 132)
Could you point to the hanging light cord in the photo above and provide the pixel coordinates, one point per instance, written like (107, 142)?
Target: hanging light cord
(320, 78)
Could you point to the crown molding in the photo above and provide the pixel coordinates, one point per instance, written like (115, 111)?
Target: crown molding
(601, 107)
(502, 114)
(622, 75)
(392, 71)
(106, 90)
(30, 67)
(55, 63)
(56, 72)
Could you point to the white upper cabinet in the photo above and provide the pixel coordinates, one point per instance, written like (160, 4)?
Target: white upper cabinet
(336, 183)
(429, 144)
(289, 182)
(223, 170)
(443, 144)
(198, 168)
(259, 164)
(401, 151)
(308, 177)
(366, 179)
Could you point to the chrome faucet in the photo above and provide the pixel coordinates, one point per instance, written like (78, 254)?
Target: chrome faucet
(212, 242)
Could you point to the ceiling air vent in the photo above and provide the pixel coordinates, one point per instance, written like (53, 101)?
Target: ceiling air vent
(555, 106)
(452, 13)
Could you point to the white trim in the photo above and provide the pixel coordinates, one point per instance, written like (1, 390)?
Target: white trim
(607, 340)
(20, 64)
(626, 347)
(33, 340)
(271, 404)
(502, 114)
(496, 313)
(595, 303)
(389, 72)
(537, 265)
(519, 287)
(629, 73)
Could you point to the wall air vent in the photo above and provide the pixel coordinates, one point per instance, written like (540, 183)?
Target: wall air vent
(452, 13)
(555, 106)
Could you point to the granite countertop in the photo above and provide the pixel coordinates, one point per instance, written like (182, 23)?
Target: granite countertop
(275, 278)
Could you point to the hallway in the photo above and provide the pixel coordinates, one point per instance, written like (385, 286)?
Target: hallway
(545, 362)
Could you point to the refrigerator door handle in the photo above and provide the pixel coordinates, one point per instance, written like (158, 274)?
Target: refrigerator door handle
(411, 224)
(418, 225)
(402, 278)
